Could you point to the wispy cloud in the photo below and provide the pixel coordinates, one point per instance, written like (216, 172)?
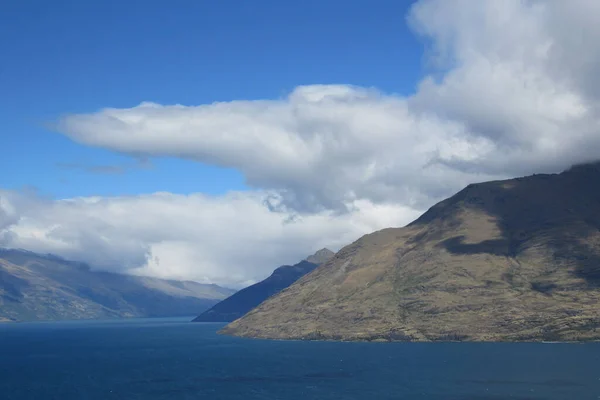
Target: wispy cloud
(117, 169)
(93, 169)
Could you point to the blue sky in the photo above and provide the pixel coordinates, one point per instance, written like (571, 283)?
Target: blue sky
(65, 57)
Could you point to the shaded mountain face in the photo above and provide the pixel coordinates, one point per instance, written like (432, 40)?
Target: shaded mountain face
(512, 260)
(46, 287)
(246, 299)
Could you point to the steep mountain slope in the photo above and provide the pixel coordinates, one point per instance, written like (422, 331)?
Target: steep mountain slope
(506, 260)
(45, 287)
(246, 299)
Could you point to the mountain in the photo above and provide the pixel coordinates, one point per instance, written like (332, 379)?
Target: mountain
(46, 287)
(246, 299)
(320, 257)
(512, 260)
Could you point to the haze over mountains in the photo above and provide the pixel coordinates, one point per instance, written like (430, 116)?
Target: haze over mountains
(46, 287)
(246, 299)
(510, 260)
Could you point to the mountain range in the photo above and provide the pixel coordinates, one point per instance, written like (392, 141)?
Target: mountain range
(246, 299)
(510, 260)
(46, 287)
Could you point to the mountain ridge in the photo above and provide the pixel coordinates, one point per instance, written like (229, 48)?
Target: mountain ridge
(246, 299)
(512, 260)
(47, 287)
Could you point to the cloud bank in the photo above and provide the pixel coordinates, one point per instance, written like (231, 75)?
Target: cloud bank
(514, 91)
(231, 240)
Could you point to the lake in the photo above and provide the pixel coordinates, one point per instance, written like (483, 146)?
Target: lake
(174, 359)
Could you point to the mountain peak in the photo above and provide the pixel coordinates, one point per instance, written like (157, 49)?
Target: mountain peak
(321, 256)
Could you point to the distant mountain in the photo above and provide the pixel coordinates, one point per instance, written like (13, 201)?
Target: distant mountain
(320, 257)
(47, 287)
(512, 260)
(246, 299)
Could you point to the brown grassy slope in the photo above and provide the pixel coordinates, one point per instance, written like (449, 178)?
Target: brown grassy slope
(505, 260)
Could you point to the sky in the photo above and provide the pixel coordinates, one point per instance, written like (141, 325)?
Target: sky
(69, 57)
(215, 141)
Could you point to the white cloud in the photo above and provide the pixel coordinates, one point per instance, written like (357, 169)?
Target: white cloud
(518, 79)
(516, 92)
(230, 240)
(320, 148)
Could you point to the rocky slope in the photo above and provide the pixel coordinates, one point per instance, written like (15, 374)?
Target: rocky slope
(45, 287)
(513, 260)
(246, 299)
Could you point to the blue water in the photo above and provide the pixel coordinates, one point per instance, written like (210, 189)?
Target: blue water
(173, 359)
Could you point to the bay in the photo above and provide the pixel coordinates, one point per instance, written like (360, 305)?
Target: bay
(172, 358)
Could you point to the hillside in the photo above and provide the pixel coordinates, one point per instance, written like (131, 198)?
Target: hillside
(513, 260)
(45, 287)
(246, 299)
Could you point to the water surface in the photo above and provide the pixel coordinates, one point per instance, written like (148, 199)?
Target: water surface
(173, 359)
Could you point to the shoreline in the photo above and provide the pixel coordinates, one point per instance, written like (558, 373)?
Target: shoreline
(408, 341)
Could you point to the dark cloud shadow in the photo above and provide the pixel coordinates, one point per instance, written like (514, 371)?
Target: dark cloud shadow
(560, 210)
